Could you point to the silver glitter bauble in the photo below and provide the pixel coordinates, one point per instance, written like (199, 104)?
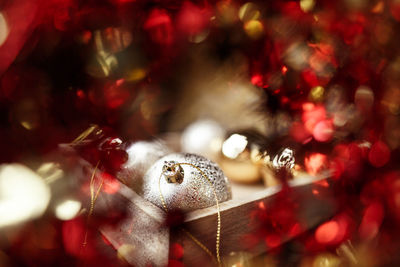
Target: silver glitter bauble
(190, 193)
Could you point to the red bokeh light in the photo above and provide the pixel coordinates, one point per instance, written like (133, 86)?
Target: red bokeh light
(299, 133)
(159, 25)
(390, 190)
(371, 221)
(316, 123)
(395, 9)
(273, 240)
(379, 154)
(76, 238)
(323, 131)
(284, 69)
(292, 9)
(335, 231)
(315, 162)
(257, 80)
(193, 19)
(111, 184)
(327, 233)
(176, 251)
(116, 95)
(310, 77)
(295, 230)
(312, 114)
(80, 94)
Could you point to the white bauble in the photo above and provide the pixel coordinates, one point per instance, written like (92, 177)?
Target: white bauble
(141, 156)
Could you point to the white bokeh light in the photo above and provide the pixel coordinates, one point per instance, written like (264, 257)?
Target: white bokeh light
(68, 209)
(23, 194)
(234, 145)
(203, 137)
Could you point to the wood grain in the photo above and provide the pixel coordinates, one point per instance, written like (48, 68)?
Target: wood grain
(237, 223)
(144, 226)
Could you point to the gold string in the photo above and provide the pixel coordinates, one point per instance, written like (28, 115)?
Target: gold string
(201, 245)
(218, 237)
(93, 198)
(84, 134)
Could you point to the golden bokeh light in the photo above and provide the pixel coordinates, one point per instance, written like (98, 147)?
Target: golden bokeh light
(254, 29)
(249, 11)
(3, 29)
(307, 5)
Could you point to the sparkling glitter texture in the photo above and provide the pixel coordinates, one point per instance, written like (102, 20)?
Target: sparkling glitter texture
(194, 192)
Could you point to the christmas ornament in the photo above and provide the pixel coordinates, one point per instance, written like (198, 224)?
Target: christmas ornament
(141, 155)
(203, 137)
(284, 159)
(186, 182)
(241, 156)
(280, 168)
